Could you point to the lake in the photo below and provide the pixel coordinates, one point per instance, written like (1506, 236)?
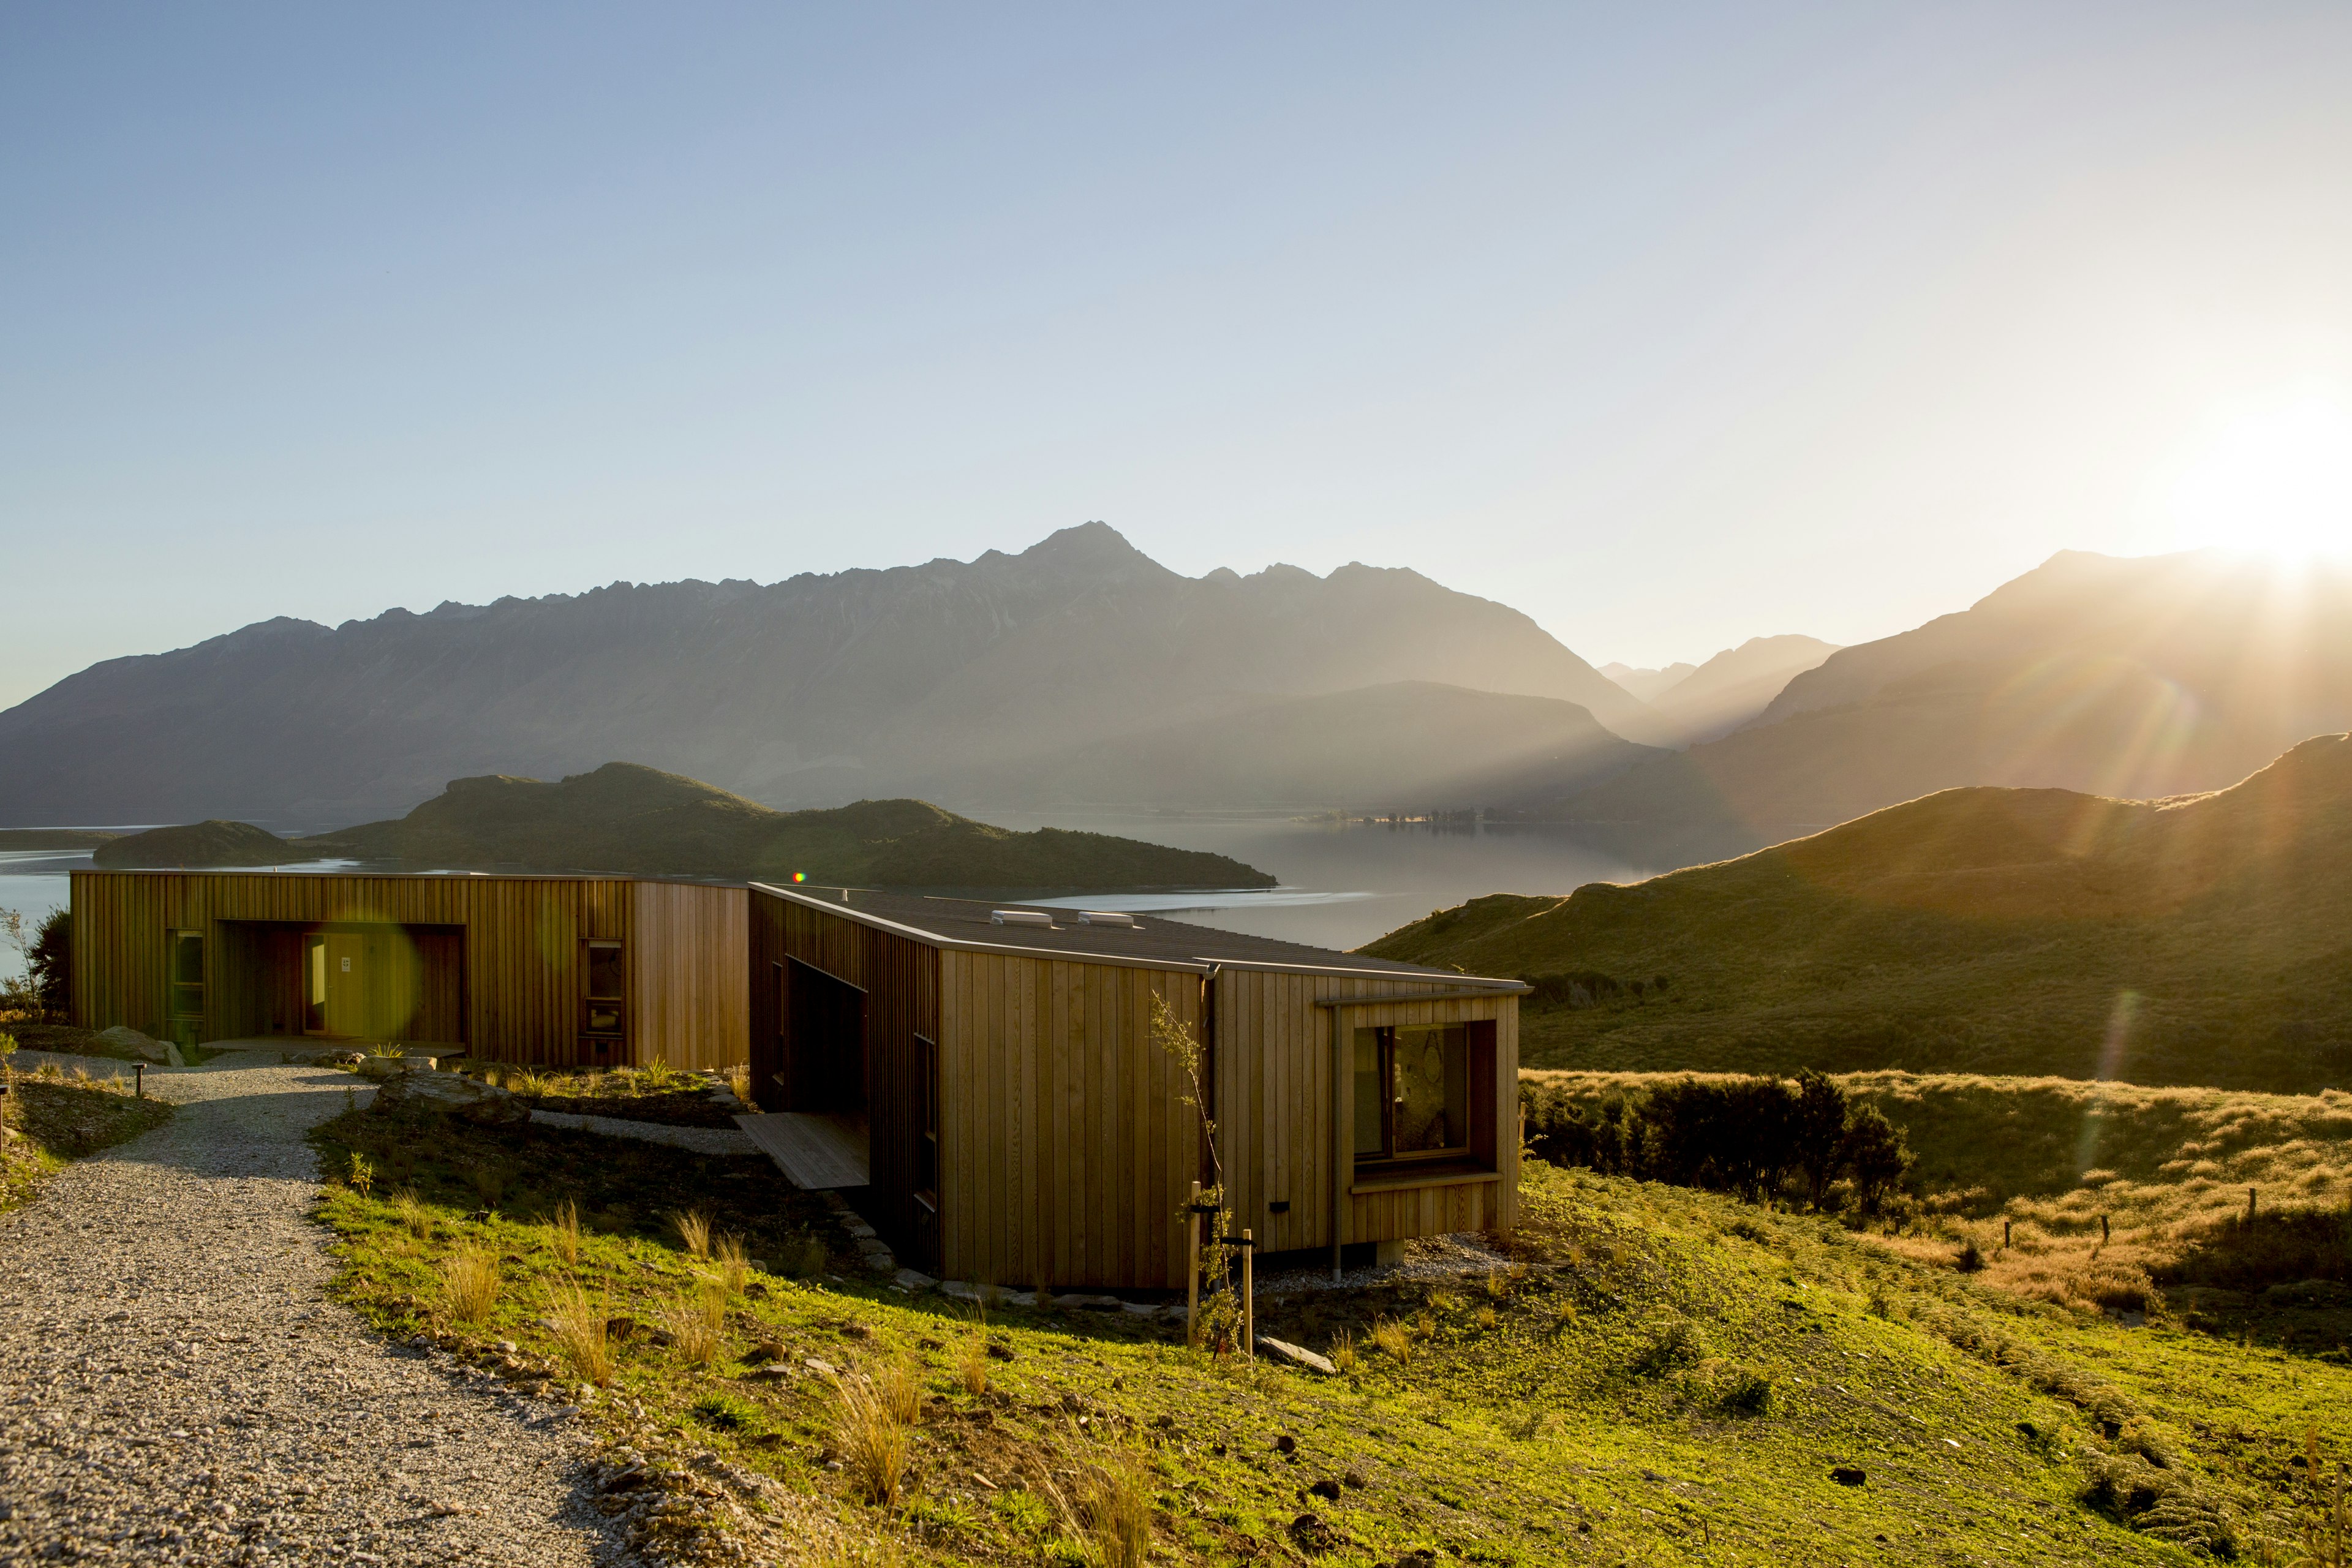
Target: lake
(1341, 884)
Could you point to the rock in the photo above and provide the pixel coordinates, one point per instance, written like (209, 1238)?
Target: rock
(122, 1036)
(1296, 1355)
(914, 1280)
(454, 1092)
(1327, 1488)
(1849, 1475)
(1088, 1303)
(771, 1372)
(822, 1368)
(1286, 1443)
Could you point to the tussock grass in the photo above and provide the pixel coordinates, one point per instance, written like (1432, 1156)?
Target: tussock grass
(900, 1388)
(696, 1320)
(734, 1264)
(693, 1228)
(469, 1282)
(1344, 1353)
(1393, 1340)
(579, 1326)
(413, 1215)
(971, 1364)
(563, 1233)
(871, 1442)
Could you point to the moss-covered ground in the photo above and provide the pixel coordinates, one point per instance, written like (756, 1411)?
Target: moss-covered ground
(1664, 1377)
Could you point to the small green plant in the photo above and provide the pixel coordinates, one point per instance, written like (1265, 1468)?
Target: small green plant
(657, 1075)
(726, 1411)
(361, 1174)
(469, 1283)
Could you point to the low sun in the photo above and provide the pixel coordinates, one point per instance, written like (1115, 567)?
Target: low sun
(2276, 480)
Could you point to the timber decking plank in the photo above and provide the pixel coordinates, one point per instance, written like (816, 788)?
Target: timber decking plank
(817, 1154)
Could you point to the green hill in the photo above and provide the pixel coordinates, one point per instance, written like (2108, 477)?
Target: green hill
(214, 843)
(636, 820)
(2197, 940)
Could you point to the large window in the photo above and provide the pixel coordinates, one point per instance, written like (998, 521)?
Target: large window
(1412, 1093)
(184, 1000)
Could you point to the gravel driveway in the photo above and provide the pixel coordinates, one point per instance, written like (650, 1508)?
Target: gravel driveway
(174, 1386)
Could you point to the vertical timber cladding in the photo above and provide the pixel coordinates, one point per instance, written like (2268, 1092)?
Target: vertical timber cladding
(1278, 1099)
(516, 996)
(689, 987)
(901, 977)
(1067, 1149)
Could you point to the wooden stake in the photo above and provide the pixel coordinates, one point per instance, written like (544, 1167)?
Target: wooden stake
(1192, 1273)
(1249, 1295)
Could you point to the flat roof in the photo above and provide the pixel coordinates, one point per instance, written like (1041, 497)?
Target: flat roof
(1153, 939)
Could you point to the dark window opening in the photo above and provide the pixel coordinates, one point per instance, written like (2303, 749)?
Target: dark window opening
(926, 1123)
(604, 977)
(1413, 1093)
(184, 1001)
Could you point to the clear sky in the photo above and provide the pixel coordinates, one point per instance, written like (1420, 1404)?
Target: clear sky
(1669, 325)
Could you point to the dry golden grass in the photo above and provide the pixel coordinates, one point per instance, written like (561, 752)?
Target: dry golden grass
(413, 1214)
(697, 1320)
(734, 1264)
(1394, 1339)
(693, 1228)
(738, 1081)
(563, 1233)
(871, 1445)
(1344, 1353)
(971, 1365)
(1115, 1508)
(580, 1333)
(469, 1282)
(901, 1392)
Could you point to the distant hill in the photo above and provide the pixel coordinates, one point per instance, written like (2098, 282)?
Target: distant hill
(2135, 678)
(68, 839)
(2200, 940)
(1648, 684)
(815, 691)
(636, 820)
(1735, 685)
(1409, 745)
(214, 843)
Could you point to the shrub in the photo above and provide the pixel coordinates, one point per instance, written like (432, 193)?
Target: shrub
(49, 962)
(1678, 1345)
(469, 1282)
(1743, 1391)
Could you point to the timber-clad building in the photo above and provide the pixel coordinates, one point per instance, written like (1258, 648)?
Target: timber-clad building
(555, 970)
(1022, 1124)
(982, 1079)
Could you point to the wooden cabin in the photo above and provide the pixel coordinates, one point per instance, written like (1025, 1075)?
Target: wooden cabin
(550, 971)
(990, 1075)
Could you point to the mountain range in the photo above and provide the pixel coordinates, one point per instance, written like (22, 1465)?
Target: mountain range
(816, 691)
(638, 820)
(2135, 678)
(1701, 703)
(2204, 939)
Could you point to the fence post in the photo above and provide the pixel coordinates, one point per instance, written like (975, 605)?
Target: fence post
(1193, 1268)
(1249, 1295)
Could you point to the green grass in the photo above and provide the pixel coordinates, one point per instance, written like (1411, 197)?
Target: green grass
(1985, 930)
(1668, 1377)
(60, 1116)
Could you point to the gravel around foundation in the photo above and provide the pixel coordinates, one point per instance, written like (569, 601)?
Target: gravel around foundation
(175, 1387)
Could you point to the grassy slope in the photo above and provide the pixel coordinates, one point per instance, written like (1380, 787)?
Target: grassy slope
(2055, 1156)
(1575, 1414)
(60, 1118)
(633, 819)
(2032, 932)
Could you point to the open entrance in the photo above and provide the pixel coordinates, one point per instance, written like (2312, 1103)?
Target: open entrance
(345, 981)
(812, 1077)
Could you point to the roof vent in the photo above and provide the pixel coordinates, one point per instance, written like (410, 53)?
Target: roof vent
(1106, 918)
(1038, 917)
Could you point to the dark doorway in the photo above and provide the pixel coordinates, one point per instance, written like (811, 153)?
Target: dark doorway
(825, 1046)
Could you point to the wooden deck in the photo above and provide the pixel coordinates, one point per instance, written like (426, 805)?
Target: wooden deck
(815, 1153)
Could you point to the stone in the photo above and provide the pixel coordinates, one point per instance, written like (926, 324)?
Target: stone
(463, 1097)
(147, 1049)
(914, 1279)
(1849, 1475)
(822, 1367)
(1296, 1355)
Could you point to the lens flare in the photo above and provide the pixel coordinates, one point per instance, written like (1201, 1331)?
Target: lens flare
(2275, 480)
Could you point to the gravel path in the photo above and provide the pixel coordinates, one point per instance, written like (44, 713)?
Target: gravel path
(174, 1386)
